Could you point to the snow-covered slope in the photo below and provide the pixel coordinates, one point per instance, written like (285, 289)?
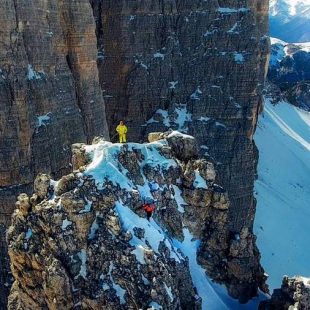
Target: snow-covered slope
(110, 253)
(283, 191)
(289, 71)
(289, 7)
(290, 20)
(280, 49)
(104, 165)
(214, 296)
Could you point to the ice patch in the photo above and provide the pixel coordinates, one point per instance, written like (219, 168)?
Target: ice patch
(233, 28)
(93, 229)
(120, 292)
(208, 33)
(139, 253)
(196, 94)
(65, 224)
(169, 291)
(144, 66)
(155, 306)
(159, 55)
(203, 119)
(179, 134)
(145, 280)
(34, 75)
(199, 182)
(183, 118)
(179, 119)
(173, 84)
(43, 119)
(239, 58)
(306, 281)
(28, 234)
(220, 124)
(179, 199)
(83, 258)
(87, 207)
(232, 10)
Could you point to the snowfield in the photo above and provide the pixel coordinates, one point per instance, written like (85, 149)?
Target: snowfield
(283, 191)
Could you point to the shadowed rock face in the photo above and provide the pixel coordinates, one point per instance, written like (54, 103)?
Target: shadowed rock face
(196, 66)
(49, 91)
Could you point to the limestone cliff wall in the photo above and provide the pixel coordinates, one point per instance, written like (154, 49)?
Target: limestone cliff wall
(196, 66)
(49, 93)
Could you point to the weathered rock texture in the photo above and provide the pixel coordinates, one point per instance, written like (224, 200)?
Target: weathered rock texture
(294, 294)
(74, 248)
(85, 244)
(196, 66)
(49, 92)
(192, 65)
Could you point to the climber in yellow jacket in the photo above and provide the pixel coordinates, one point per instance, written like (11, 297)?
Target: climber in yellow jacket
(121, 130)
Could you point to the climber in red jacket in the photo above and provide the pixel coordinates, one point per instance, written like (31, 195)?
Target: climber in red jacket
(149, 209)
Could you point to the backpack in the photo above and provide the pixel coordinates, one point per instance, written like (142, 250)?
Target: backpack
(149, 207)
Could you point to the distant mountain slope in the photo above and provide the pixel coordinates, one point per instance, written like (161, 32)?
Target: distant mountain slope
(289, 63)
(289, 70)
(290, 20)
(283, 191)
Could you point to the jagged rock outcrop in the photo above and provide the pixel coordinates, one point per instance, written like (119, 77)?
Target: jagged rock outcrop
(49, 94)
(88, 245)
(294, 294)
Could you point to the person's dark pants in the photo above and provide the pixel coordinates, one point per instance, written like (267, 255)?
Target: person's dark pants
(148, 215)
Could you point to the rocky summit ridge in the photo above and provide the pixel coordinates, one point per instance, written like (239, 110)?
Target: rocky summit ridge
(83, 242)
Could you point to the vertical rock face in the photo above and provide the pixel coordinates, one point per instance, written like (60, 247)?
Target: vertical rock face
(165, 63)
(49, 92)
(198, 67)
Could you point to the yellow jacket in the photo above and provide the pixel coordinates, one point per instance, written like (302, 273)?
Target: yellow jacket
(121, 129)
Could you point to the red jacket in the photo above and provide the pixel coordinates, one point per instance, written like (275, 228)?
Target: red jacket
(149, 207)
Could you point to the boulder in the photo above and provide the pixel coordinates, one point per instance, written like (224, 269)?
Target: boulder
(78, 156)
(184, 147)
(23, 204)
(41, 185)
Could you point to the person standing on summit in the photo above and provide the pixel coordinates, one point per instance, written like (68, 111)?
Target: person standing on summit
(122, 130)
